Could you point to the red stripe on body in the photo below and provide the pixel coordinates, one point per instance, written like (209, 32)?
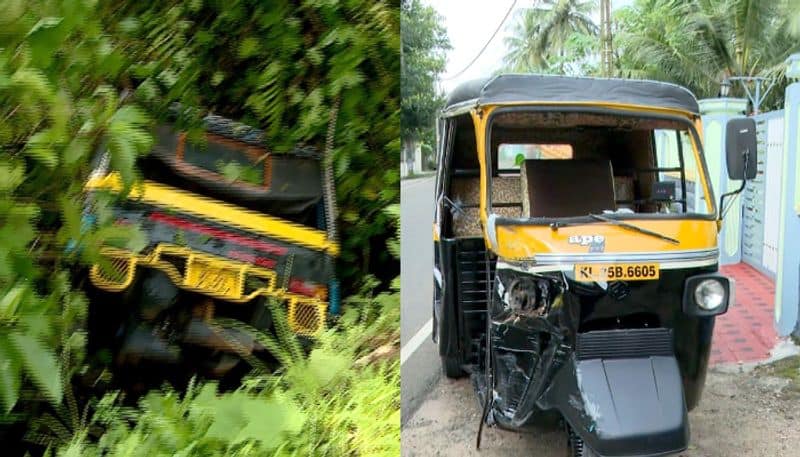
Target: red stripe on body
(252, 258)
(217, 233)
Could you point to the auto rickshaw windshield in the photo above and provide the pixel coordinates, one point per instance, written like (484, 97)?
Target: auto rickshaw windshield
(548, 164)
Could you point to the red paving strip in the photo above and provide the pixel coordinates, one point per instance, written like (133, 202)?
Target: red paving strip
(746, 333)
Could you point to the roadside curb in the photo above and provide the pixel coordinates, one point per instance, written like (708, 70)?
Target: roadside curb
(418, 176)
(783, 349)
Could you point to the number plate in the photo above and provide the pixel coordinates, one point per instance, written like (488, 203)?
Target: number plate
(203, 276)
(591, 272)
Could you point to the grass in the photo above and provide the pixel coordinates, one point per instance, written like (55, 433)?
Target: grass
(788, 368)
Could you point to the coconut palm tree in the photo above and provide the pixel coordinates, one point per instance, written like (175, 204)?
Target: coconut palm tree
(544, 31)
(698, 44)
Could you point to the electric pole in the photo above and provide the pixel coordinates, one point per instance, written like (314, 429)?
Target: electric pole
(606, 49)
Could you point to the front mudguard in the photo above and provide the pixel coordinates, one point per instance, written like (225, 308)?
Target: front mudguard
(623, 406)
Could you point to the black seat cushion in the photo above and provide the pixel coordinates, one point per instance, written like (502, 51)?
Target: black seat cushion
(563, 188)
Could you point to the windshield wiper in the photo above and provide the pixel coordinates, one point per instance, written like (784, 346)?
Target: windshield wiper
(635, 228)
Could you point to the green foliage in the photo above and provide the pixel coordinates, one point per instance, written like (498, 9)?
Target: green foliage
(394, 243)
(78, 75)
(694, 44)
(281, 67)
(56, 107)
(338, 401)
(200, 422)
(793, 8)
(31, 328)
(424, 47)
(553, 36)
(788, 368)
(698, 44)
(234, 171)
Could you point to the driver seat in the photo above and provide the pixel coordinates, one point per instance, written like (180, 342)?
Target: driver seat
(564, 188)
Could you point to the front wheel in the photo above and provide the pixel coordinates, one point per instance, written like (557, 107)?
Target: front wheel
(576, 447)
(452, 367)
(443, 330)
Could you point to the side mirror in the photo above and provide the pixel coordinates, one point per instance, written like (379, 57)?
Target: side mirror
(740, 148)
(741, 155)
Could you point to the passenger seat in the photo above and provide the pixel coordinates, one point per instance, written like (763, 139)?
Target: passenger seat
(563, 188)
(465, 192)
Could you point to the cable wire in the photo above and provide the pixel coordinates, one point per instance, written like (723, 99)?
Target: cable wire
(508, 13)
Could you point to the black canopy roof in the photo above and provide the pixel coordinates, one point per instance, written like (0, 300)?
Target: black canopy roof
(549, 88)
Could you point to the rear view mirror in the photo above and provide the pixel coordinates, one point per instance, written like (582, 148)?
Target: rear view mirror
(741, 155)
(740, 148)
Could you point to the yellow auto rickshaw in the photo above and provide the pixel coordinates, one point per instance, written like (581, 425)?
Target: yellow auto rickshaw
(576, 260)
(231, 229)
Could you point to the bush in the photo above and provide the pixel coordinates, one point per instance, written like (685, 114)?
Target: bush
(76, 75)
(344, 399)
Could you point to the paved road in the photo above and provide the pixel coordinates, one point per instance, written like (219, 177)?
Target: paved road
(419, 357)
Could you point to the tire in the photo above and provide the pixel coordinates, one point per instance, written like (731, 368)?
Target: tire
(576, 447)
(451, 367)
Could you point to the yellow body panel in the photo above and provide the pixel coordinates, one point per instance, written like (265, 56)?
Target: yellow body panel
(306, 315)
(525, 241)
(221, 212)
(479, 118)
(520, 242)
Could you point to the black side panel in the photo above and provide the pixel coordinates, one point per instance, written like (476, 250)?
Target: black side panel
(461, 312)
(472, 294)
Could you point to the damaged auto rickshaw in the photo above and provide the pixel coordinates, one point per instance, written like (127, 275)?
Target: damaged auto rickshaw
(235, 235)
(576, 260)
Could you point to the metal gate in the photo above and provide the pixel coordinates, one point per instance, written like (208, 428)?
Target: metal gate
(761, 198)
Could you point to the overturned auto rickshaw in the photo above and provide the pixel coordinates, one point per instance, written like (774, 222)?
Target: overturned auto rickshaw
(576, 262)
(231, 229)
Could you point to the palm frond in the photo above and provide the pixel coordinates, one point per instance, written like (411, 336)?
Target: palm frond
(698, 43)
(542, 32)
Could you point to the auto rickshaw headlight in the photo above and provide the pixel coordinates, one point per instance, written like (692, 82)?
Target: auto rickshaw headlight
(709, 294)
(523, 293)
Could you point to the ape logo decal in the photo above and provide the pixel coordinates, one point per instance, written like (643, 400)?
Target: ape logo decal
(596, 243)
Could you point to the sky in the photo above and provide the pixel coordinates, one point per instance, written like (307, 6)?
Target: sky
(469, 25)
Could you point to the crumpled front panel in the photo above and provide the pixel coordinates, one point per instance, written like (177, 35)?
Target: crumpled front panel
(528, 340)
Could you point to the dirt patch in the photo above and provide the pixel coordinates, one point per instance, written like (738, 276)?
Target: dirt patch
(754, 414)
(447, 422)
